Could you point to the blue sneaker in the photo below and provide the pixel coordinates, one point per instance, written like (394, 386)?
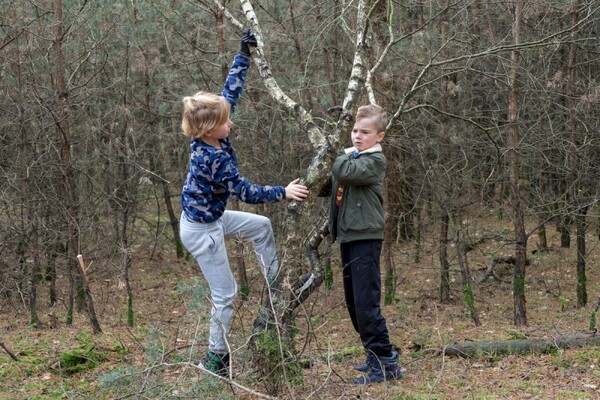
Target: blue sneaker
(381, 369)
(365, 367)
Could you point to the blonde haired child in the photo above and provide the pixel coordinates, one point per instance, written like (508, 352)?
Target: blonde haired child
(213, 177)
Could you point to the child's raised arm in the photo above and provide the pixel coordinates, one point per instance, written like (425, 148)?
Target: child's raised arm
(239, 69)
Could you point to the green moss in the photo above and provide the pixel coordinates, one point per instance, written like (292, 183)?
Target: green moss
(519, 285)
(564, 302)
(478, 353)
(572, 395)
(423, 339)
(351, 351)
(84, 357)
(401, 307)
(244, 291)
(469, 299)
(405, 396)
(279, 358)
(78, 360)
(179, 249)
(328, 278)
(50, 395)
(589, 356)
(515, 335)
(129, 311)
(390, 289)
(530, 387)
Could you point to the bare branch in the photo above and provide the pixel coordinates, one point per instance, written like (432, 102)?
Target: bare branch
(315, 134)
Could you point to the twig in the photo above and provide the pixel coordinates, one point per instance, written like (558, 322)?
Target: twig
(200, 367)
(10, 353)
(137, 342)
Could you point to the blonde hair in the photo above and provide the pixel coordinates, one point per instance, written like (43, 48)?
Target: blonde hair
(373, 110)
(203, 112)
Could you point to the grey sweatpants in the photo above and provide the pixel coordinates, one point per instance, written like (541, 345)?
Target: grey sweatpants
(206, 243)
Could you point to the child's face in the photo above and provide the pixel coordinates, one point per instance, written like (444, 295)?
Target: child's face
(220, 131)
(365, 133)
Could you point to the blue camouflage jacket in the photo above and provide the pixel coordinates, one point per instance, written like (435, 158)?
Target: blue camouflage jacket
(213, 173)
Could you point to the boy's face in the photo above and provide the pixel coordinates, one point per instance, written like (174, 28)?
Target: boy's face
(365, 133)
(220, 131)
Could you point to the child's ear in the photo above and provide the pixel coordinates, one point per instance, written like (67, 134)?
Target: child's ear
(380, 136)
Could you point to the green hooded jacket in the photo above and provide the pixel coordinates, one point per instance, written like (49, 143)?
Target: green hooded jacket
(360, 214)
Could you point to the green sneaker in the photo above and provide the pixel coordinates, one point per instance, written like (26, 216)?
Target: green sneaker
(217, 363)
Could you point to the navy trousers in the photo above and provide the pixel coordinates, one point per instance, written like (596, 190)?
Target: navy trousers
(362, 290)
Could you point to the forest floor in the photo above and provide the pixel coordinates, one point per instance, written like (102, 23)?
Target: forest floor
(152, 359)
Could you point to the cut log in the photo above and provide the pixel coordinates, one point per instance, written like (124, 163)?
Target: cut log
(505, 347)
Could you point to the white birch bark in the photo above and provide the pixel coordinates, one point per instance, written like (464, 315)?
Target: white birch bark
(326, 145)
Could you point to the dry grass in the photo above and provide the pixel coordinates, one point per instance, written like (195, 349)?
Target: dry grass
(151, 358)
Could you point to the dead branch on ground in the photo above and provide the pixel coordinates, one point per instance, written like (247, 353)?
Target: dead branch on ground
(525, 346)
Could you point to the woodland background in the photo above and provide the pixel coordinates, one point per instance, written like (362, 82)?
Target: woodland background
(493, 151)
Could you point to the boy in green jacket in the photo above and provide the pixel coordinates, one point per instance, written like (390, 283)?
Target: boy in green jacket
(356, 220)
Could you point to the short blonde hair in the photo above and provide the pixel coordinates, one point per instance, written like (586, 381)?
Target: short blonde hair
(373, 110)
(203, 112)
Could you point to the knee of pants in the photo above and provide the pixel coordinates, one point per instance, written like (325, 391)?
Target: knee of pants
(222, 299)
(264, 226)
(221, 302)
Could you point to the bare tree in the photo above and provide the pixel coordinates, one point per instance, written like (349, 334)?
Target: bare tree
(520, 311)
(67, 189)
(578, 191)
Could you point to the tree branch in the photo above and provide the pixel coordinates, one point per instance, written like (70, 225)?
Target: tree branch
(315, 135)
(10, 353)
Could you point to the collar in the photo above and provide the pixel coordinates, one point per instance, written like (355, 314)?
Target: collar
(374, 149)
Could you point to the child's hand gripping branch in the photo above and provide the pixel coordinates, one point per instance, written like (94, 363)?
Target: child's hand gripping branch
(248, 40)
(295, 191)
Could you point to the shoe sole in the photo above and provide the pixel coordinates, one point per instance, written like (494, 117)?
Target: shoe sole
(388, 378)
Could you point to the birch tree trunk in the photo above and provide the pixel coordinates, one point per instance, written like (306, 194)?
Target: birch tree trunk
(277, 316)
